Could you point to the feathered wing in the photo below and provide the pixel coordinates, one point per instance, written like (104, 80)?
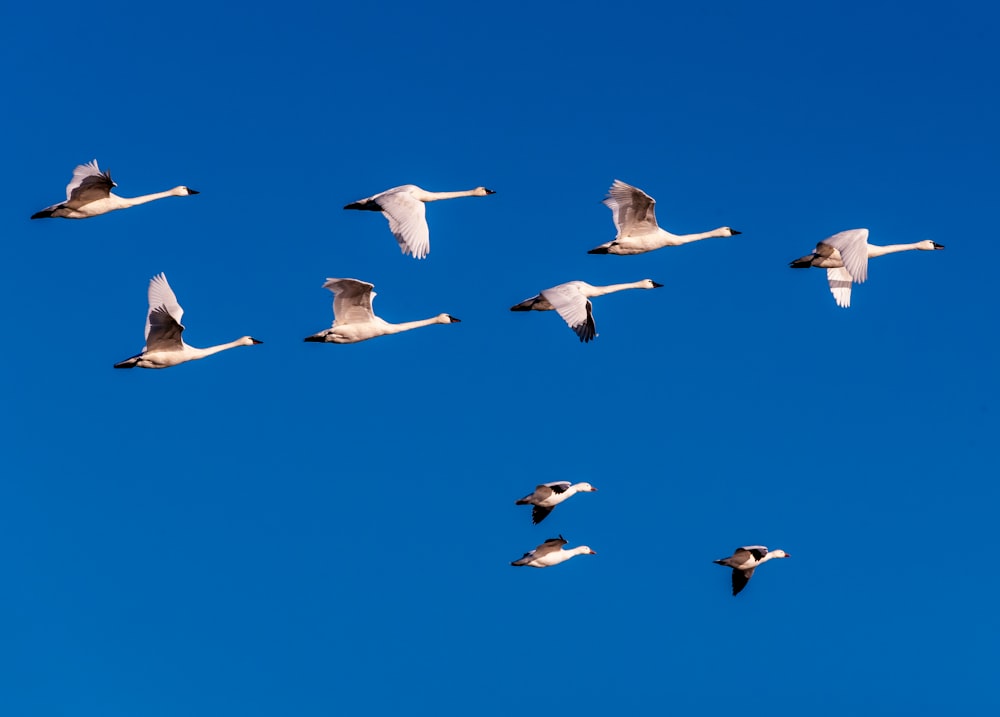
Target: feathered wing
(408, 222)
(740, 579)
(163, 322)
(840, 285)
(549, 546)
(538, 514)
(352, 301)
(88, 184)
(575, 309)
(853, 247)
(632, 209)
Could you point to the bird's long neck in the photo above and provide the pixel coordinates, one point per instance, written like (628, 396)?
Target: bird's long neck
(202, 353)
(874, 250)
(434, 196)
(135, 201)
(407, 325)
(688, 238)
(612, 288)
(767, 557)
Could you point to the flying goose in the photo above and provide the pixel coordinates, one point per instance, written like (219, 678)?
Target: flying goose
(845, 257)
(353, 319)
(745, 560)
(89, 194)
(404, 208)
(550, 553)
(164, 345)
(572, 301)
(633, 213)
(548, 495)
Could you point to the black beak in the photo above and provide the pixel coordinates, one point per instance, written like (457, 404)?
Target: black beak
(938, 246)
(656, 286)
(255, 340)
(193, 191)
(454, 320)
(489, 191)
(734, 232)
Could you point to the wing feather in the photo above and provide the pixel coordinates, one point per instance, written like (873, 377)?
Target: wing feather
(352, 301)
(88, 184)
(407, 221)
(632, 209)
(853, 247)
(163, 321)
(575, 309)
(840, 285)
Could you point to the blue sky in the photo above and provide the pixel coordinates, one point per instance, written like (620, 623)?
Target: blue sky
(305, 529)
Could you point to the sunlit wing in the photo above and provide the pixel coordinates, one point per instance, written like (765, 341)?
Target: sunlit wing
(160, 295)
(407, 222)
(574, 308)
(352, 301)
(840, 285)
(853, 248)
(88, 184)
(632, 209)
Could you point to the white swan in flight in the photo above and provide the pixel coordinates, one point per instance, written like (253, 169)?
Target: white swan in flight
(164, 345)
(572, 301)
(548, 495)
(745, 560)
(88, 194)
(845, 257)
(404, 208)
(638, 232)
(354, 320)
(550, 553)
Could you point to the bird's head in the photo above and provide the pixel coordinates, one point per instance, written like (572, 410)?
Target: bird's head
(729, 232)
(928, 245)
(249, 341)
(183, 191)
(483, 191)
(585, 488)
(780, 554)
(650, 284)
(448, 319)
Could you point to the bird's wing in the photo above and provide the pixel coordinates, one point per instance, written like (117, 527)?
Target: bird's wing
(88, 184)
(538, 514)
(744, 552)
(352, 301)
(840, 285)
(549, 546)
(853, 248)
(163, 322)
(574, 307)
(542, 492)
(632, 209)
(558, 486)
(407, 221)
(740, 579)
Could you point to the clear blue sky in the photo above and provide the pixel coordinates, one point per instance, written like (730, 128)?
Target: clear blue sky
(300, 529)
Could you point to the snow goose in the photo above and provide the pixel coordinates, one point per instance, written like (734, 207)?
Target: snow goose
(550, 553)
(633, 213)
(845, 257)
(404, 208)
(745, 559)
(548, 495)
(572, 301)
(353, 319)
(89, 194)
(164, 345)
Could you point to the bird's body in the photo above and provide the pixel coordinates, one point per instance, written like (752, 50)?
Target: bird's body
(164, 346)
(404, 208)
(548, 495)
(845, 257)
(88, 194)
(745, 560)
(572, 301)
(550, 553)
(634, 215)
(354, 320)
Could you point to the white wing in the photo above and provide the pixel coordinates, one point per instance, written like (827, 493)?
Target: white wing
(853, 248)
(88, 184)
(574, 307)
(407, 221)
(564, 483)
(632, 209)
(840, 285)
(352, 301)
(163, 322)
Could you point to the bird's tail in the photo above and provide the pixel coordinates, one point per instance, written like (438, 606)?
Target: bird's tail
(129, 362)
(803, 263)
(526, 305)
(521, 501)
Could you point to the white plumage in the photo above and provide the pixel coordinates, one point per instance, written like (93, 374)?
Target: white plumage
(550, 553)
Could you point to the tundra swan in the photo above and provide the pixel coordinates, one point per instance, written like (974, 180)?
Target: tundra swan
(638, 232)
(572, 301)
(548, 495)
(551, 553)
(89, 194)
(164, 345)
(745, 560)
(404, 208)
(845, 257)
(353, 319)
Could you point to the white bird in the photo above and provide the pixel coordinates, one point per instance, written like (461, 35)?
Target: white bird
(551, 553)
(353, 319)
(164, 345)
(633, 212)
(404, 208)
(572, 301)
(745, 560)
(845, 257)
(548, 495)
(89, 194)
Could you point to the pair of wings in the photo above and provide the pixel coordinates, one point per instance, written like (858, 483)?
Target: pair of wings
(88, 184)
(740, 556)
(163, 322)
(575, 309)
(852, 245)
(352, 301)
(543, 492)
(549, 546)
(632, 209)
(407, 220)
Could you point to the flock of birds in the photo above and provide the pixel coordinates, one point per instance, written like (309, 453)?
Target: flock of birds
(844, 255)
